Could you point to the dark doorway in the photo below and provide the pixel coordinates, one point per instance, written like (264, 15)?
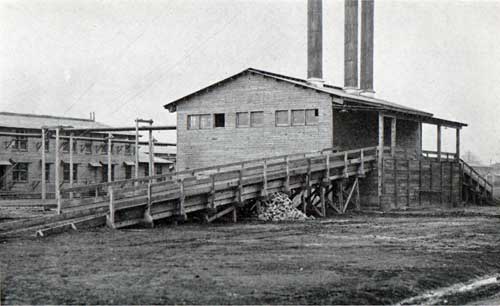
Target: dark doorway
(2, 178)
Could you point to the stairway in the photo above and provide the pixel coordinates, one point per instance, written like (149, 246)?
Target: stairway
(477, 190)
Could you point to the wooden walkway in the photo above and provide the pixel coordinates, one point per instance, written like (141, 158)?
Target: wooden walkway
(319, 183)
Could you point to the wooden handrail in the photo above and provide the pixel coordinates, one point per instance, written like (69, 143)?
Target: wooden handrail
(193, 172)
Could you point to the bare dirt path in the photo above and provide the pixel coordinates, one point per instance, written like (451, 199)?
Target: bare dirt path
(364, 259)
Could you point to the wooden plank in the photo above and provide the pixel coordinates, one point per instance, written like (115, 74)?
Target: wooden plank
(393, 136)
(419, 181)
(350, 195)
(408, 185)
(220, 214)
(441, 179)
(264, 178)
(182, 200)
(287, 179)
(439, 141)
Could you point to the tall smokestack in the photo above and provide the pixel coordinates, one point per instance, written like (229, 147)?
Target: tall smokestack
(351, 45)
(367, 47)
(314, 42)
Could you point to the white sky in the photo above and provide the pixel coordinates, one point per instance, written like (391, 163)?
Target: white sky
(125, 59)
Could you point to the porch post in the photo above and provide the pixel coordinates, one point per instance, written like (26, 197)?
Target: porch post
(151, 160)
(457, 150)
(57, 166)
(439, 141)
(44, 186)
(109, 157)
(419, 140)
(137, 148)
(380, 155)
(393, 136)
(71, 178)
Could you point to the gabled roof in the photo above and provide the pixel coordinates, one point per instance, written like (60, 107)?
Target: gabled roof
(32, 121)
(331, 90)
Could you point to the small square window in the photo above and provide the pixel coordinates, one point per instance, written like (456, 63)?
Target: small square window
(256, 119)
(282, 118)
(205, 121)
(193, 122)
(242, 119)
(298, 117)
(312, 116)
(219, 120)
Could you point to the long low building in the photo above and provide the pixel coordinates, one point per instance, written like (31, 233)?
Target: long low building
(21, 154)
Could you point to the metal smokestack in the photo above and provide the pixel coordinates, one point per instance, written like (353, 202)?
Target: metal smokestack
(351, 45)
(315, 42)
(366, 80)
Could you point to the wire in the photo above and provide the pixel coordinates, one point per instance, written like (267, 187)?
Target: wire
(122, 52)
(162, 75)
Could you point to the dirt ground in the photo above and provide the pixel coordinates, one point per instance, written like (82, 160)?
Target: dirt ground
(356, 259)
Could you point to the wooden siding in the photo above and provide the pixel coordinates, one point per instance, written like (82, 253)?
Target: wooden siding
(201, 148)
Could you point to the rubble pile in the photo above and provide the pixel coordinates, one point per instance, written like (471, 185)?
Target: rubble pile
(279, 207)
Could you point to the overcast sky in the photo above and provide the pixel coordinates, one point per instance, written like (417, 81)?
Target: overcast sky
(125, 59)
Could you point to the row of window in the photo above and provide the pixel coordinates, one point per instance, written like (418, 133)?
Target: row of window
(295, 117)
(20, 143)
(20, 172)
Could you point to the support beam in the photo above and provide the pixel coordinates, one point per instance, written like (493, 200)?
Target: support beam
(419, 141)
(439, 141)
(457, 150)
(380, 155)
(44, 165)
(57, 169)
(71, 165)
(110, 165)
(393, 136)
(136, 148)
(151, 152)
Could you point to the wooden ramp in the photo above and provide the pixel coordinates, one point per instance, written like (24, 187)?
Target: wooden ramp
(319, 181)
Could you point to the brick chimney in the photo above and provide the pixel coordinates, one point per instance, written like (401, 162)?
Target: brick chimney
(351, 46)
(366, 76)
(315, 42)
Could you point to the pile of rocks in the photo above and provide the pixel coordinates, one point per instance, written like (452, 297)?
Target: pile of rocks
(279, 207)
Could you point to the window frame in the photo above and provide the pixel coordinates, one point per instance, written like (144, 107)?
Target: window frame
(250, 119)
(66, 172)
(20, 142)
(287, 117)
(17, 173)
(238, 124)
(295, 111)
(316, 115)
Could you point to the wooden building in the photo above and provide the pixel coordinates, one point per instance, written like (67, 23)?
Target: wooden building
(21, 155)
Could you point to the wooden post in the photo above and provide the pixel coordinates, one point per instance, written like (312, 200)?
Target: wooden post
(396, 183)
(345, 165)
(380, 155)
(287, 179)
(212, 192)
(71, 165)
(151, 153)
(451, 184)
(109, 157)
(419, 140)
(57, 166)
(264, 177)
(393, 136)
(44, 184)
(111, 217)
(361, 171)
(322, 198)
(137, 148)
(457, 150)
(408, 184)
(439, 141)
(358, 203)
(420, 182)
(441, 182)
(240, 187)
(308, 185)
(182, 200)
